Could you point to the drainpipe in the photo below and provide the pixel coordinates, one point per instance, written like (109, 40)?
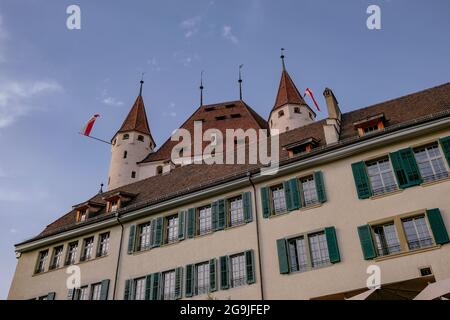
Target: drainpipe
(257, 235)
(118, 256)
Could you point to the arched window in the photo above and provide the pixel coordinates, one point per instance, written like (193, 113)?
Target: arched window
(159, 170)
(280, 113)
(297, 110)
(126, 136)
(141, 138)
(125, 154)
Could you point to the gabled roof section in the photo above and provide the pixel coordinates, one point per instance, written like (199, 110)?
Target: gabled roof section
(136, 119)
(221, 116)
(287, 92)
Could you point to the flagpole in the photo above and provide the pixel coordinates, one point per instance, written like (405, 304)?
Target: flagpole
(95, 138)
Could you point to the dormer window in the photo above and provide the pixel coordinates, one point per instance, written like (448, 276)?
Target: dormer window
(87, 210)
(370, 124)
(304, 146)
(116, 201)
(126, 136)
(221, 118)
(141, 138)
(82, 215)
(280, 113)
(114, 205)
(159, 170)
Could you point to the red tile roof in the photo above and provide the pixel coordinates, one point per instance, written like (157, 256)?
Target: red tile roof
(404, 111)
(136, 119)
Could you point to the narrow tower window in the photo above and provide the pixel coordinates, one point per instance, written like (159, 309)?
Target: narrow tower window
(126, 136)
(133, 174)
(297, 110)
(280, 113)
(125, 154)
(159, 170)
(141, 138)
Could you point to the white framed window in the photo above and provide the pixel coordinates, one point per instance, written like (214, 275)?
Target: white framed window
(238, 270)
(381, 176)
(139, 289)
(202, 278)
(205, 220)
(309, 191)
(71, 253)
(370, 129)
(57, 257)
(169, 285)
(430, 163)
(298, 255)
(88, 247)
(96, 291)
(81, 294)
(114, 205)
(278, 199)
(82, 215)
(319, 249)
(103, 244)
(172, 229)
(386, 239)
(417, 232)
(144, 236)
(236, 206)
(42, 260)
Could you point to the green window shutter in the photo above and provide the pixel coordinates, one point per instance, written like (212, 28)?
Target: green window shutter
(247, 204)
(181, 224)
(437, 226)
(158, 232)
(405, 168)
(189, 291)
(250, 266)
(152, 232)
(104, 289)
(265, 201)
(215, 215)
(320, 186)
(178, 282)
(361, 180)
(191, 223)
(127, 292)
(148, 287)
(292, 194)
(445, 144)
(365, 236)
(221, 215)
(131, 239)
(224, 273)
(283, 260)
(333, 248)
(212, 275)
(51, 296)
(70, 294)
(155, 292)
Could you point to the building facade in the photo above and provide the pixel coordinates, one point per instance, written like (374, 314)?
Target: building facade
(357, 189)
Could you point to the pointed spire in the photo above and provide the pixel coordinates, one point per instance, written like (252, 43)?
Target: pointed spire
(240, 82)
(201, 88)
(287, 91)
(136, 119)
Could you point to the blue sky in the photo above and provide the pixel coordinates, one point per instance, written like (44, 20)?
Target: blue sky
(53, 79)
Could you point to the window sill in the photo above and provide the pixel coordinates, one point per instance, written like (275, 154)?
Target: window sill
(406, 253)
(437, 181)
(311, 206)
(281, 214)
(311, 269)
(387, 194)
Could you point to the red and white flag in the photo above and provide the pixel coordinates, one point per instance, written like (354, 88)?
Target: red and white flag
(86, 130)
(309, 93)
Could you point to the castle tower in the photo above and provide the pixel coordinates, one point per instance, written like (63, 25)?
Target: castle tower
(290, 110)
(131, 144)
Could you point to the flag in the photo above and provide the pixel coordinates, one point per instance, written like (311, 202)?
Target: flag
(86, 130)
(309, 93)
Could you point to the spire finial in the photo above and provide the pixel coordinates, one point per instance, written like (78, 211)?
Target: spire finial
(282, 58)
(240, 82)
(101, 188)
(201, 88)
(142, 83)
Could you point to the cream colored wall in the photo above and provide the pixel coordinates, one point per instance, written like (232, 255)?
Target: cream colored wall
(27, 285)
(342, 210)
(191, 251)
(346, 212)
(290, 119)
(120, 169)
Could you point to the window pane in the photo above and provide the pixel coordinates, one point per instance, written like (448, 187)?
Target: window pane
(319, 250)
(297, 254)
(430, 163)
(205, 220)
(386, 239)
(169, 285)
(238, 270)
(278, 198)
(236, 211)
(309, 191)
(202, 285)
(96, 289)
(139, 289)
(172, 229)
(381, 176)
(144, 236)
(417, 233)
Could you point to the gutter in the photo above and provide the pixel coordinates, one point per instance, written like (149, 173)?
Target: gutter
(257, 237)
(116, 276)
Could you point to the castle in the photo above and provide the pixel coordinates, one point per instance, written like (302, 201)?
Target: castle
(357, 189)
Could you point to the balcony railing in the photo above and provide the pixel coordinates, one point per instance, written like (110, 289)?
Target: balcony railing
(420, 243)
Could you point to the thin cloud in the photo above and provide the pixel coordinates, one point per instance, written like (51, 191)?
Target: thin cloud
(191, 26)
(17, 99)
(111, 101)
(228, 34)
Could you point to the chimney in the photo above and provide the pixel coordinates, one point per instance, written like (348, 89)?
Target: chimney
(332, 128)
